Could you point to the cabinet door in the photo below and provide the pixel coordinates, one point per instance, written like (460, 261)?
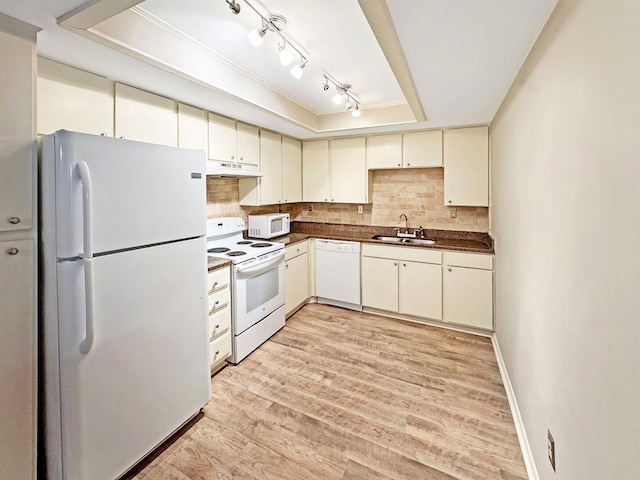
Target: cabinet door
(468, 296)
(222, 138)
(145, 117)
(315, 171)
(192, 128)
(380, 283)
(420, 291)
(291, 170)
(73, 99)
(271, 167)
(17, 140)
(384, 151)
(348, 170)
(422, 149)
(466, 166)
(17, 359)
(296, 282)
(248, 144)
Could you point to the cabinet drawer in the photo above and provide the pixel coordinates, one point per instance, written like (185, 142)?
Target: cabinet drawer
(219, 323)
(218, 280)
(410, 254)
(219, 301)
(295, 250)
(220, 349)
(470, 260)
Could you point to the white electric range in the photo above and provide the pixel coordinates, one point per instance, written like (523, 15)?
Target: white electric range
(257, 283)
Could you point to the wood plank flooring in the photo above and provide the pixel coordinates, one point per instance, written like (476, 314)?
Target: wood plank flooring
(345, 395)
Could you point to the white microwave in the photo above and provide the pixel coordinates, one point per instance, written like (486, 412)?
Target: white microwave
(269, 225)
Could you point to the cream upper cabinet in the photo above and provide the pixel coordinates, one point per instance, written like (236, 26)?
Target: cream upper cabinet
(316, 186)
(192, 128)
(73, 99)
(222, 138)
(422, 149)
(384, 151)
(380, 283)
(145, 117)
(271, 168)
(248, 144)
(291, 170)
(466, 166)
(296, 276)
(348, 171)
(468, 289)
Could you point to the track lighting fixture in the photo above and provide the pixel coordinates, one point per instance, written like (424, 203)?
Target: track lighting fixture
(272, 22)
(343, 94)
(276, 23)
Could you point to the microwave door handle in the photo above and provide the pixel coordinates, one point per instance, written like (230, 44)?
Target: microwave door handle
(262, 267)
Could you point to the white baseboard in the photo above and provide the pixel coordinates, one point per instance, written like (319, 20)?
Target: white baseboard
(529, 464)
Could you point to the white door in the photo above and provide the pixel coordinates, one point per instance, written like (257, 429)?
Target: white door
(140, 194)
(148, 370)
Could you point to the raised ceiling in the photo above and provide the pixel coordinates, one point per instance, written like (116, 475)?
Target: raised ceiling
(461, 55)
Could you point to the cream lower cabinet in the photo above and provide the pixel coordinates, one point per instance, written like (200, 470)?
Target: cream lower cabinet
(296, 278)
(219, 317)
(403, 280)
(468, 289)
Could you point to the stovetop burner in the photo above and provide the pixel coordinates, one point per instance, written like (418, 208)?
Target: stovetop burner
(236, 253)
(218, 250)
(244, 242)
(261, 245)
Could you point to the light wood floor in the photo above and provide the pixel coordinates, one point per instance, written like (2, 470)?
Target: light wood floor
(344, 395)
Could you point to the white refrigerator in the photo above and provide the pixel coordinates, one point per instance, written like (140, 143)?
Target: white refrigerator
(123, 264)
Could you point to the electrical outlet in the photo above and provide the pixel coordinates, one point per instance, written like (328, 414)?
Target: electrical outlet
(453, 212)
(551, 450)
(360, 209)
(310, 208)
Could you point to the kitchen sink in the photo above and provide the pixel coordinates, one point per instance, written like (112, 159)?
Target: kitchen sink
(410, 241)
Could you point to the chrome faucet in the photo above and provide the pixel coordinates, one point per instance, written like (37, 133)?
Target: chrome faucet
(406, 221)
(406, 233)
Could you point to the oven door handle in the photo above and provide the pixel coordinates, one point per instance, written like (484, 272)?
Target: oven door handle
(262, 267)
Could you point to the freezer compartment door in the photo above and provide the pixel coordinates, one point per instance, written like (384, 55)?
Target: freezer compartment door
(140, 194)
(147, 371)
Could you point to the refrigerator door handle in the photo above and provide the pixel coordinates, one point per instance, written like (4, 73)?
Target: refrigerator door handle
(87, 210)
(87, 343)
(87, 246)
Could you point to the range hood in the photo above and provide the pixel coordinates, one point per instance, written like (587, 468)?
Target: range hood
(231, 170)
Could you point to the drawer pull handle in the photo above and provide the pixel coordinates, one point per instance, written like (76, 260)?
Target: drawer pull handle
(12, 251)
(217, 352)
(217, 308)
(448, 269)
(216, 287)
(14, 220)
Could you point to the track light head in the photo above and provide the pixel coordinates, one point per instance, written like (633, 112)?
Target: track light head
(356, 111)
(325, 85)
(234, 6)
(337, 98)
(286, 57)
(297, 70)
(256, 37)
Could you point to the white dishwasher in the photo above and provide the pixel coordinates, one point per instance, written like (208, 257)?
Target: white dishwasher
(338, 273)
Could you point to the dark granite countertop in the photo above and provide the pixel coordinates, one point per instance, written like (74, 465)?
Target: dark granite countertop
(216, 263)
(476, 242)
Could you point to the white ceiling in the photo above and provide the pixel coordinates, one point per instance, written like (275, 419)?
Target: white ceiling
(463, 54)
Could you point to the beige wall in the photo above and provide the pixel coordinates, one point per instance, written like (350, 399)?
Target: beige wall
(419, 193)
(565, 198)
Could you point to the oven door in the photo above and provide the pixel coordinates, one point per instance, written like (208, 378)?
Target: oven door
(258, 291)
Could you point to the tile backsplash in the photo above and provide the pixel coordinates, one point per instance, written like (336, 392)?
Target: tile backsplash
(416, 192)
